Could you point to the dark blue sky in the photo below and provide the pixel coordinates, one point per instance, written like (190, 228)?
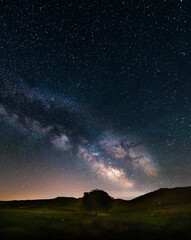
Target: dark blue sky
(96, 93)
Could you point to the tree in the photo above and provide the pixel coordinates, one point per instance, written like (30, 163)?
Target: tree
(96, 200)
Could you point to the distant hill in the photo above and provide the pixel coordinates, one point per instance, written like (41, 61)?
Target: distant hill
(66, 202)
(162, 197)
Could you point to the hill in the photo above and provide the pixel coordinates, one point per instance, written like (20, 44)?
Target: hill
(162, 197)
(63, 202)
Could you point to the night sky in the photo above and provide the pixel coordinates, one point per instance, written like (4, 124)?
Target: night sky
(94, 94)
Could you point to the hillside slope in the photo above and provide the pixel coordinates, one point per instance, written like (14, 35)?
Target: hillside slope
(163, 197)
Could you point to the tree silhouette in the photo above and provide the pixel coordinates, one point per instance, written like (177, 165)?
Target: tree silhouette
(96, 200)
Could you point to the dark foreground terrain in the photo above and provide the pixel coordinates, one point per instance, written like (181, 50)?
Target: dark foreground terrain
(163, 214)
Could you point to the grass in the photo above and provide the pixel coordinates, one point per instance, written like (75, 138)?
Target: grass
(155, 216)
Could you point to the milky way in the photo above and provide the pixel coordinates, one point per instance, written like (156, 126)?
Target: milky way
(94, 95)
(110, 157)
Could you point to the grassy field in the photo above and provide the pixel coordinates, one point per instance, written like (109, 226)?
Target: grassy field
(164, 214)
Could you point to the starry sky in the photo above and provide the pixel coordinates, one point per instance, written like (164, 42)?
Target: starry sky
(94, 94)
